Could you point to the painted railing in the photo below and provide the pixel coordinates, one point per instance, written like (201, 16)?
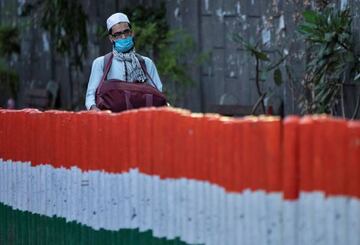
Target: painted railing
(166, 176)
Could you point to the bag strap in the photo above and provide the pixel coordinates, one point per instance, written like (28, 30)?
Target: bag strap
(107, 58)
(143, 67)
(107, 63)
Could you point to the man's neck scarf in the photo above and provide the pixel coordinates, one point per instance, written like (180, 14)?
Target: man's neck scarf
(132, 67)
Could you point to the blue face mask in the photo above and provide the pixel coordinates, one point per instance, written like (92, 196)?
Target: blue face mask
(124, 45)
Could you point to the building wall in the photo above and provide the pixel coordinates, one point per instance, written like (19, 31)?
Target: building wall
(227, 77)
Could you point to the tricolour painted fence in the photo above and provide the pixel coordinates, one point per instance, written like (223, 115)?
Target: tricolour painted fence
(166, 176)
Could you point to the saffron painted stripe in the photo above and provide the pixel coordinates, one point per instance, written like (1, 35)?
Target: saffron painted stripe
(252, 153)
(195, 211)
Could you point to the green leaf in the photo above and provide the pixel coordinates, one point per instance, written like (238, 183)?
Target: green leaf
(306, 29)
(9, 40)
(261, 55)
(343, 37)
(202, 58)
(263, 75)
(329, 36)
(278, 77)
(357, 77)
(349, 57)
(310, 16)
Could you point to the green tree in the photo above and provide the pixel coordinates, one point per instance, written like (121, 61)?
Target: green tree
(65, 21)
(332, 60)
(9, 45)
(263, 66)
(170, 48)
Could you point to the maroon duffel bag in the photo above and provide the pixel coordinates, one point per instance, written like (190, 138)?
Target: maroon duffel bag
(117, 95)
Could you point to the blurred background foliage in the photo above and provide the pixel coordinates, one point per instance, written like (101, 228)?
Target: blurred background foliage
(171, 49)
(263, 66)
(65, 21)
(9, 45)
(332, 60)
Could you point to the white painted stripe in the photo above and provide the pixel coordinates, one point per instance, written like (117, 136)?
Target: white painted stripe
(196, 211)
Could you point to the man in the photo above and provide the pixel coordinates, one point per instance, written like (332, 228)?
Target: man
(125, 65)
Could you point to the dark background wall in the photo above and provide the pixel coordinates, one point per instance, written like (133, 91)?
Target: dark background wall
(227, 77)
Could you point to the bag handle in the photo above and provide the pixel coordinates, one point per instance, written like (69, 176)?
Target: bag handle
(107, 63)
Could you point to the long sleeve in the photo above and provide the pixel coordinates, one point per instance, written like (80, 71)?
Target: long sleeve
(116, 72)
(151, 69)
(94, 80)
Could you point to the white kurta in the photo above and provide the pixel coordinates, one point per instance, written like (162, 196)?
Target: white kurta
(116, 72)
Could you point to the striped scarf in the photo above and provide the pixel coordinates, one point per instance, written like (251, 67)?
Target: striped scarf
(132, 66)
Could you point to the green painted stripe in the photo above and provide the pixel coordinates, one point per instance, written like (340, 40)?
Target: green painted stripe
(22, 227)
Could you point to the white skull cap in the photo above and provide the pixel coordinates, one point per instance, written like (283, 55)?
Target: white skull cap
(116, 18)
